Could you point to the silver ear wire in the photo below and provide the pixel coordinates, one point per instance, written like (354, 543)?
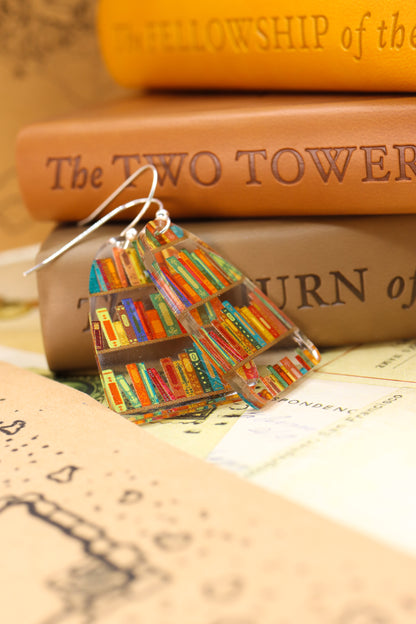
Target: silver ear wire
(146, 201)
(118, 190)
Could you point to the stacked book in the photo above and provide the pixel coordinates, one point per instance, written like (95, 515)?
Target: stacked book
(300, 171)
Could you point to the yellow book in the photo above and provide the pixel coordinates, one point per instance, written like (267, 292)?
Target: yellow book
(137, 266)
(121, 334)
(255, 323)
(271, 44)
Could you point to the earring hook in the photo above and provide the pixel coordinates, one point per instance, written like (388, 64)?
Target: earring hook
(118, 190)
(146, 201)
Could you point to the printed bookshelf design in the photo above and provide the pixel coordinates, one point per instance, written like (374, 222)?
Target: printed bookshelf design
(176, 325)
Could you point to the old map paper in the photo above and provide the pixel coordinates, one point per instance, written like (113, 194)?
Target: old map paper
(100, 522)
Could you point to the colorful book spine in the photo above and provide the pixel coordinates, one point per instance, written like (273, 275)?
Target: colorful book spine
(156, 325)
(141, 313)
(109, 273)
(98, 336)
(231, 271)
(134, 320)
(291, 367)
(129, 268)
(151, 392)
(281, 370)
(166, 316)
(204, 377)
(128, 391)
(190, 373)
(182, 299)
(187, 262)
(237, 347)
(226, 348)
(112, 391)
(258, 313)
(284, 383)
(271, 384)
(121, 334)
(235, 335)
(99, 279)
(93, 284)
(138, 385)
(274, 310)
(160, 385)
(119, 267)
(179, 268)
(212, 267)
(128, 328)
(172, 378)
(137, 265)
(245, 328)
(271, 317)
(204, 268)
(180, 282)
(181, 373)
(107, 326)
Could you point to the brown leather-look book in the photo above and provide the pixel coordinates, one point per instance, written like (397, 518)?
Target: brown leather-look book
(342, 280)
(227, 156)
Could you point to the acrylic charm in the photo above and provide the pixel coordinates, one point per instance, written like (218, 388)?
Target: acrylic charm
(176, 327)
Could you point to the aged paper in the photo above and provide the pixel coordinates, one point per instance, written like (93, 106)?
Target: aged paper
(341, 443)
(49, 65)
(100, 522)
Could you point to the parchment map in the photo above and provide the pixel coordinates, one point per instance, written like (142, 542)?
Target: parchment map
(49, 65)
(107, 570)
(31, 31)
(100, 522)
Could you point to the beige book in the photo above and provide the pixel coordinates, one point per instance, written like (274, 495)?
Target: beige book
(342, 280)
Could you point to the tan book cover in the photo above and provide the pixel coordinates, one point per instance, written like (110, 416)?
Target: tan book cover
(342, 280)
(239, 155)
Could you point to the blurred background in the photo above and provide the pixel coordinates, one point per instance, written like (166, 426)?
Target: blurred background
(49, 65)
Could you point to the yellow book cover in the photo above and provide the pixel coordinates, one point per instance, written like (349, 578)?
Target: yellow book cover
(318, 45)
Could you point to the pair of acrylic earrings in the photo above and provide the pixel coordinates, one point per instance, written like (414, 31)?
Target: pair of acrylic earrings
(177, 328)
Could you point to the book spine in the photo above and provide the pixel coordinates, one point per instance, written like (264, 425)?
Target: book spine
(333, 276)
(190, 373)
(107, 327)
(98, 336)
(138, 384)
(168, 320)
(128, 391)
(135, 322)
(120, 268)
(156, 325)
(112, 391)
(358, 149)
(183, 378)
(109, 273)
(97, 278)
(222, 44)
(200, 368)
(159, 384)
(128, 328)
(144, 321)
(172, 377)
(150, 389)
